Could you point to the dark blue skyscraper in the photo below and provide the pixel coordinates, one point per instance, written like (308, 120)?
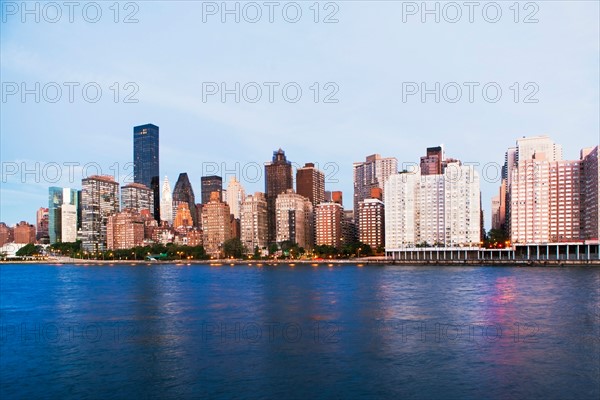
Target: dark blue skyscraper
(145, 160)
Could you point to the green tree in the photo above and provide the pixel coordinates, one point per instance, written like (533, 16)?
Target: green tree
(496, 238)
(66, 248)
(233, 248)
(273, 249)
(256, 254)
(28, 250)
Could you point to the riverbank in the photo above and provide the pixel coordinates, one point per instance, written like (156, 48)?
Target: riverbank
(316, 263)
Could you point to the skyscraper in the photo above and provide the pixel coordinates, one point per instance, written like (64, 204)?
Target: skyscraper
(310, 183)
(183, 218)
(100, 199)
(137, 197)
(183, 193)
(431, 164)
(41, 224)
(166, 202)
(433, 210)
(400, 198)
(235, 196)
(59, 200)
(372, 223)
(146, 162)
(210, 184)
(124, 230)
(590, 193)
(328, 224)
(278, 179)
(371, 173)
(216, 225)
(253, 222)
(294, 219)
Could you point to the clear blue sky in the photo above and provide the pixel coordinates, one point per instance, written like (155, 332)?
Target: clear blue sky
(368, 54)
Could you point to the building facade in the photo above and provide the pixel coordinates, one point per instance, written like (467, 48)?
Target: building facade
(590, 193)
(41, 225)
(137, 197)
(99, 200)
(400, 198)
(278, 179)
(63, 202)
(328, 224)
(124, 230)
(253, 222)
(216, 225)
(146, 161)
(24, 233)
(6, 234)
(166, 202)
(294, 219)
(433, 210)
(210, 184)
(371, 173)
(235, 195)
(310, 183)
(371, 213)
(184, 193)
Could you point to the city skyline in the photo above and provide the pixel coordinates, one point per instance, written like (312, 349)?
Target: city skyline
(370, 116)
(493, 177)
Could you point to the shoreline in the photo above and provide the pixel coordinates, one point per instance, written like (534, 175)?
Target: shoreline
(317, 263)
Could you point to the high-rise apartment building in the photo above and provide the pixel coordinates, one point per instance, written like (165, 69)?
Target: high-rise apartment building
(554, 201)
(146, 161)
(253, 222)
(210, 184)
(216, 225)
(371, 173)
(401, 207)
(183, 193)
(328, 224)
(99, 200)
(310, 183)
(137, 197)
(371, 213)
(431, 164)
(433, 210)
(528, 147)
(278, 179)
(430, 210)
(590, 193)
(235, 195)
(462, 206)
(294, 219)
(124, 230)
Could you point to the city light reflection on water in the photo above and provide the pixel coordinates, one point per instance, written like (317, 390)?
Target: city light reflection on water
(299, 332)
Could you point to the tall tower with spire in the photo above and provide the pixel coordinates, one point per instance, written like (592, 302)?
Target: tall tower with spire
(166, 202)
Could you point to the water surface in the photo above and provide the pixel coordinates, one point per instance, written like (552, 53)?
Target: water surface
(169, 331)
